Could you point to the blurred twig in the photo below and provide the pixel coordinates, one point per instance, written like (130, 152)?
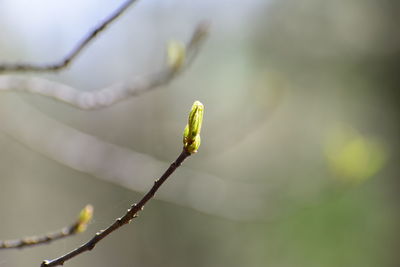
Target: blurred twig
(89, 37)
(129, 215)
(77, 227)
(107, 96)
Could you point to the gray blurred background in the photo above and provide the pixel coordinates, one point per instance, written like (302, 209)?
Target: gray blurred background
(299, 147)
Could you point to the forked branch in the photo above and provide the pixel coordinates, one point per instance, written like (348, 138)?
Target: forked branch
(132, 213)
(191, 142)
(74, 52)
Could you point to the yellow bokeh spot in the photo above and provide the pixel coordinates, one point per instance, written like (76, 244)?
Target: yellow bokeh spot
(353, 157)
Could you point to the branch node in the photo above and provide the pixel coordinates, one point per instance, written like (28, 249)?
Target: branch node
(45, 263)
(99, 232)
(119, 221)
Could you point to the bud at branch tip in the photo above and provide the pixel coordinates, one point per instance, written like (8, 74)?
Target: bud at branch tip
(191, 134)
(84, 218)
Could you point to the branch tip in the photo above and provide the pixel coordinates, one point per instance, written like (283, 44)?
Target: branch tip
(84, 218)
(191, 134)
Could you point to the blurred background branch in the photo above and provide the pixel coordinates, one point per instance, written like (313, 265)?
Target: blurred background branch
(110, 95)
(24, 67)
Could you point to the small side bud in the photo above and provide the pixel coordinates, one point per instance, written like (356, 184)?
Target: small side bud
(176, 54)
(191, 134)
(84, 218)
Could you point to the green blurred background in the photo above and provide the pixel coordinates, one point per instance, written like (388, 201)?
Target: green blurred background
(301, 103)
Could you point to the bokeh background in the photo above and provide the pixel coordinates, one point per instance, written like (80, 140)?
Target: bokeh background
(299, 147)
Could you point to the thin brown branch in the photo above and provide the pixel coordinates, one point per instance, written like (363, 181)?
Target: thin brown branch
(77, 227)
(129, 215)
(89, 37)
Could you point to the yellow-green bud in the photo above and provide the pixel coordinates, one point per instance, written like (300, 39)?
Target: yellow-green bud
(191, 134)
(84, 218)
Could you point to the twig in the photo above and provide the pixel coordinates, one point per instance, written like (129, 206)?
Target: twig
(131, 213)
(107, 96)
(77, 227)
(23, 67)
